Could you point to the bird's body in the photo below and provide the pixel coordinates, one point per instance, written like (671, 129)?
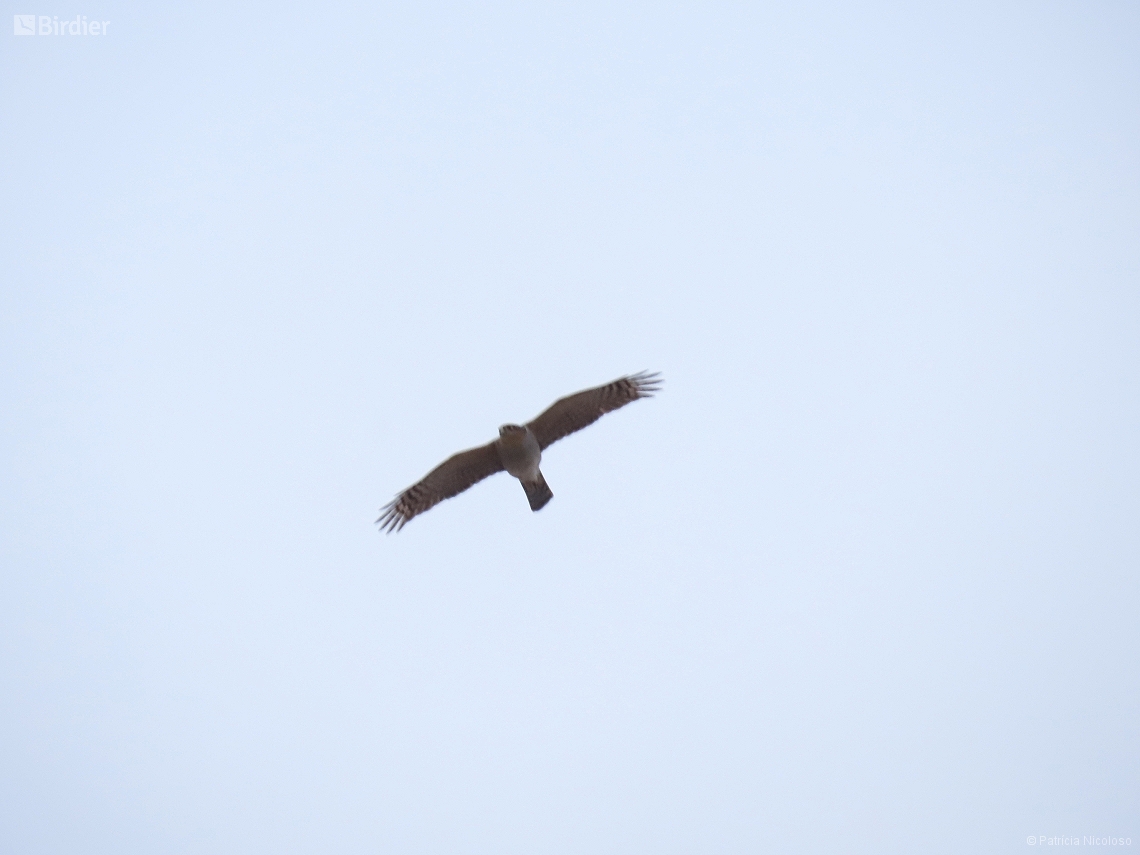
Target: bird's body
(518, 450)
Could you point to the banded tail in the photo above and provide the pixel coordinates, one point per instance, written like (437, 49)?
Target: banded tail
(538, 492)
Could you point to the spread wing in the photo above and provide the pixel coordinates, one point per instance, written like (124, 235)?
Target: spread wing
(450, 478)
(575, 412)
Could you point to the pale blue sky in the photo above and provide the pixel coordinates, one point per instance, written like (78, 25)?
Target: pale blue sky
(863, 578)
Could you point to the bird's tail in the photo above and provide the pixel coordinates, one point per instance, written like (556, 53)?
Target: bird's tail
(538, 493)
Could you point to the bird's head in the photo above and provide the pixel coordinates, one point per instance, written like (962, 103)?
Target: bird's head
(509, 429)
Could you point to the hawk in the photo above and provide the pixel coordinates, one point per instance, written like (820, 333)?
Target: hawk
(518, 450)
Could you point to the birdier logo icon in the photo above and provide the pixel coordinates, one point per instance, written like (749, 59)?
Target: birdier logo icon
(51, 25)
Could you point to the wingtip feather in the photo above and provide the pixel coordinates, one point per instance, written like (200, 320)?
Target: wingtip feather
(391, 519)
(646, 383)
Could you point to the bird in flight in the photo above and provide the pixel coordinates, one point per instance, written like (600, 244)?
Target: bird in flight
(518, 450)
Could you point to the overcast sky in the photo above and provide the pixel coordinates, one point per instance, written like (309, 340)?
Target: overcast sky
(862, 578)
